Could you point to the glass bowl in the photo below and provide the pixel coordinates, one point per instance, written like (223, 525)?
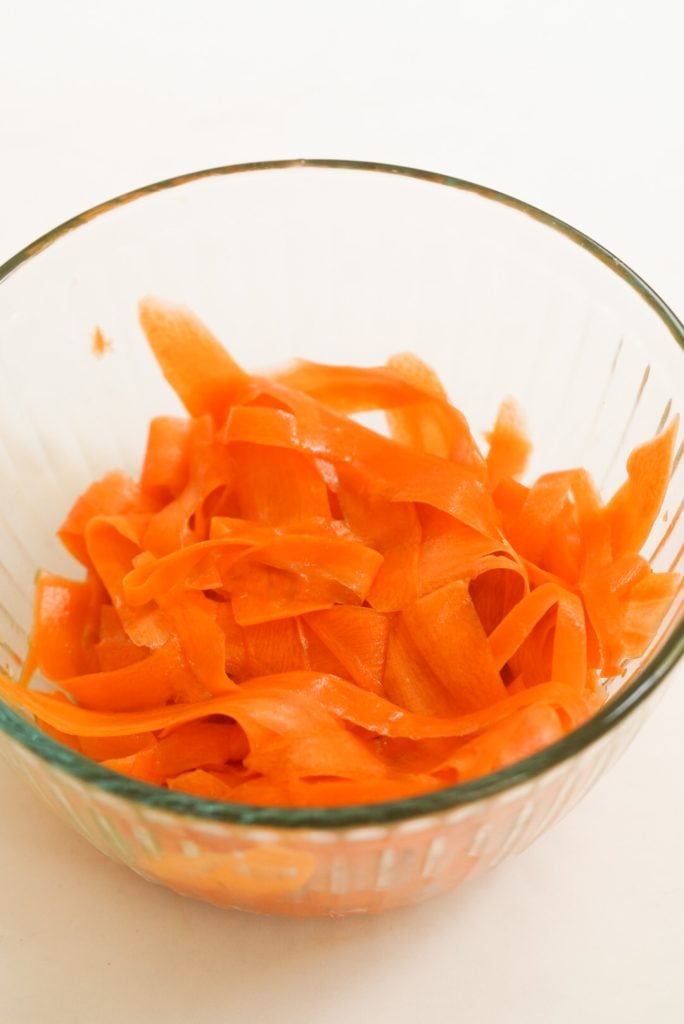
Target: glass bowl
(342, 262)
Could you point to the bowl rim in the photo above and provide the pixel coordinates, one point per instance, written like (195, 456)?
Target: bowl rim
(607, 718)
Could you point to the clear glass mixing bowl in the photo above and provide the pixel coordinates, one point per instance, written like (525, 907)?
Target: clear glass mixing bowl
(341, 262)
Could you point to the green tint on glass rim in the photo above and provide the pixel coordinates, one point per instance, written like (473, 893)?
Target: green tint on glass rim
(643, 684)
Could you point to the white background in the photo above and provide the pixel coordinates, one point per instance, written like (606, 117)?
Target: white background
(575, 106)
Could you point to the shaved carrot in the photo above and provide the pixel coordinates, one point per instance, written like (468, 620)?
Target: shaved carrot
(509, 446)
(291, 609)
(114, 648)
(408, 681)
(115, 494)
(448, 633)
(67, 619)
(358, 639)
(632, 510)
(395, 471)
(195, 364)
(192, 746)
(418, 411)
(259, 491)
(167, 456)
(569, 642)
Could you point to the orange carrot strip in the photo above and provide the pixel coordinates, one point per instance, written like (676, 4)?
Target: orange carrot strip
(408, 681)
(563, 552)
(234, 641)
(397, 473)
(226, 561)
(448, 633)
(144, 684)
(527, 731)
(319, 657)
(263, 593)
(315, 743)
(112, 544)
(73, 742)
(255, 534)
(66, 618)
(259, 475)
(275, 646)
(420, 415)
(167, 457)
(199, 782)
(509, 497)
(509, 445)
(104, 748)
(114, 495)
(195, 364)
(529, 531)
(649, 601)
(431, 425)
(348, 701)
(210, 470)
(626, 603)
(569, 652)
(351, 389)
(358, 639)
(393, 529)
(196, 745)
(337, 559)
(632, 510)
(206, 561)
(497, 583)
(449, 550)
(592, 523)
(330, 792)
(195, 621)
(114, 648)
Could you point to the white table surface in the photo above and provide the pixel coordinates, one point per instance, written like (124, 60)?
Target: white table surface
(576, 106)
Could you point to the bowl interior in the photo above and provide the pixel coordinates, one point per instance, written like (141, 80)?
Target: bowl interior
(337, 263)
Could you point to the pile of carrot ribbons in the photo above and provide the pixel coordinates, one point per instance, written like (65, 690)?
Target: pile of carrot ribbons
(289, 608)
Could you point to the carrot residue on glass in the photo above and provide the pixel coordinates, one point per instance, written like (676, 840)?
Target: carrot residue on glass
(100, 345)
(288, 608)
